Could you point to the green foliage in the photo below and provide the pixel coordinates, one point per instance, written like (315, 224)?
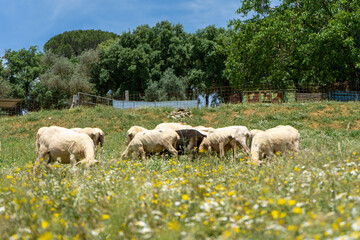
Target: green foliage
(73, 43)
(22, 70)
(140, 58)
(5, 88)
(69, 75)
(63, 78)
(207, 60)
(295, 43)
(170, 87)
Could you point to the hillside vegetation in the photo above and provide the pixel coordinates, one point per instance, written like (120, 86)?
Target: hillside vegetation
(310, 195)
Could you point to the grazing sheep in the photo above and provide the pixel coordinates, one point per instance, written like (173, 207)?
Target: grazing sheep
(38, 134)
(64, 145)
(96, 134)
(173, 126)
(285, 137)
(190, 139)
(261, 147)
(130, 134)
(152, 141)
(206, 130)
(223, 139)
(253, 132)
(279, 139)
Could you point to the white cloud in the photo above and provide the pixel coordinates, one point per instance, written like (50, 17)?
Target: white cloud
(60, 8)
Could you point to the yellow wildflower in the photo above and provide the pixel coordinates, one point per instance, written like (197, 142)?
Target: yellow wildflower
(45, 224)
(281, 201)
(297, 210)
(291, 202)
(275, 214)
(173, 225)
(185, 197)
(291, 228)
(46, 236)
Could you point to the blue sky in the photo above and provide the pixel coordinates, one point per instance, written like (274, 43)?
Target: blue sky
(24, 23)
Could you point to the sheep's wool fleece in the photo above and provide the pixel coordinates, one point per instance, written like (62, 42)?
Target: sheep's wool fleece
(60, 142)
(173, 126)
(283, 137)
(155, 140)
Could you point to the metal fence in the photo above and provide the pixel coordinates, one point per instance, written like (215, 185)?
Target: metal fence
(192, 98)
(221, 95)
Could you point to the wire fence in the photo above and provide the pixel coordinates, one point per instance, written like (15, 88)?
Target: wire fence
(196, 97)
(223, 95)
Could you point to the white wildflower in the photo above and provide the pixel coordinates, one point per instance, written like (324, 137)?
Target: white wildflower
(356, 226)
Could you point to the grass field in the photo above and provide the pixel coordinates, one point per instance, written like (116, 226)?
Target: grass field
(314, 194)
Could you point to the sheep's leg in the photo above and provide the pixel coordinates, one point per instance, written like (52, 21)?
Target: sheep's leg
(233, 143)
(142, 152)
(101, 152)
(172, 150)
(221, 148)
(191, 145)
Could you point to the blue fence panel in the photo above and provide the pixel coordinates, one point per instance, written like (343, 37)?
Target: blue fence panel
(344, 96)
(137, 104)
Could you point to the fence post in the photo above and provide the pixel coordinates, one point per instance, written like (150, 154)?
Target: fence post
(75, 101)
(126, 95)
(197, 98)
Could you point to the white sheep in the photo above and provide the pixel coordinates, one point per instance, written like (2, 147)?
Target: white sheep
(253, 132)
(279, 139)
(205, 130)
(261, 147)
(173, 126)
(152, 141)
(130, 134)
(64, 145)
(223, 139)
(96, 134)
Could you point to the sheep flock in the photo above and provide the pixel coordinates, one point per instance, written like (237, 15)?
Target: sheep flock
(77, 146)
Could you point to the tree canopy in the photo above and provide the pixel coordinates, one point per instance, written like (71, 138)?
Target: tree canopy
(296, 42)
(22, 70)
(141, 57)
(73, 43)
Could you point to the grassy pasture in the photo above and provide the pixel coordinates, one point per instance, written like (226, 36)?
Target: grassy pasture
(314, 194)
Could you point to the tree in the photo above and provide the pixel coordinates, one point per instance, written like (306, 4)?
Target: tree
(141, 56)
(73, 43)
(121, 69)
(65, 77)
(22, 70)
(295, 43)
(5, 88)
(207, 58)
(170, 88)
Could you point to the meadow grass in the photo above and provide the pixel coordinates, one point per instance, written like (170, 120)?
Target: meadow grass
(313, 194)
